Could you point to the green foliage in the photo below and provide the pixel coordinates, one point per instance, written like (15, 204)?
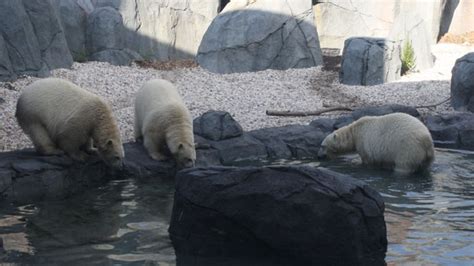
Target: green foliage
(81, 57)
(408, 57)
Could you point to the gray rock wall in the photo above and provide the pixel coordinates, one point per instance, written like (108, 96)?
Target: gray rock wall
(32, 38)
(163, 29)
(375, 18)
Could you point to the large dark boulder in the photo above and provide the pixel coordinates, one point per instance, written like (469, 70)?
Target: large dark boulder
(452, 130)
(293, 141)
(462, 84)
(304, 215)
(370, 61)
(217, 125)
(261, 35)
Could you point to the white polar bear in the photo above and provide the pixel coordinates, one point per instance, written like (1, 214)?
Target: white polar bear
(164, 123)
(395, 141)
(59, 116)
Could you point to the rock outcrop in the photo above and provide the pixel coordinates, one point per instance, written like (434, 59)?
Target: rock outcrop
(285, 37)
(278, 214)
(462, 83)
(26, 176)
(164, 30)
(32, 41)
(452, 131)
(73, 19)
(105, 37)
(372, 18)
(217, 125)
(370, 61)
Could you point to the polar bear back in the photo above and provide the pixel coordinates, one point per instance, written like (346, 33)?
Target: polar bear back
(155, 94)
(53, 101)
(393, 138)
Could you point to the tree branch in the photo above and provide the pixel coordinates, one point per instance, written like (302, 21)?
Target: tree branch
(309, 113)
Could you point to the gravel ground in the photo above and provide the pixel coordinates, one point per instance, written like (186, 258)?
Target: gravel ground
(246, 96)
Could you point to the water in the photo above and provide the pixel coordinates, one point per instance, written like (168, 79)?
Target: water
(430, 219)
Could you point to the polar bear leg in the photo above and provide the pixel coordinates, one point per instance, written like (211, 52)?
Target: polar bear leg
(153, 149)
(90, 149)
(137, 131)
(402, 169)
(41, 140)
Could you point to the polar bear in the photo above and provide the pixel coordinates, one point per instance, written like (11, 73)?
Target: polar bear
(59, 116)
(164, 123)
(395, 141)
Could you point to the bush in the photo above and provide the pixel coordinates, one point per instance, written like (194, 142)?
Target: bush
(408, 57)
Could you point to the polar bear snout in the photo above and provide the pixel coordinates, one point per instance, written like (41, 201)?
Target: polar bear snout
(186, 163)
(322, 153)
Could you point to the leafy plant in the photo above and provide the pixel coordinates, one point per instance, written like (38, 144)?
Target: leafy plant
(81, 57)
(408, 57)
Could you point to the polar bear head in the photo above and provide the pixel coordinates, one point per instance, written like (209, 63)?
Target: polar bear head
(338, 142)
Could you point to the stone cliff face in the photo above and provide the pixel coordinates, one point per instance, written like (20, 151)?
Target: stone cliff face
(32, 41)
(164, 29)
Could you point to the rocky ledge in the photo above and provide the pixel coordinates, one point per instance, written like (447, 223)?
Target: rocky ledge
(283, 215)
(27, 177)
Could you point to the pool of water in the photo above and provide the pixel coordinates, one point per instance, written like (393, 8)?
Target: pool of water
(430, 219)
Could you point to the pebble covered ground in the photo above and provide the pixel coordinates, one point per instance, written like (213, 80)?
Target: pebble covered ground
(246, 96)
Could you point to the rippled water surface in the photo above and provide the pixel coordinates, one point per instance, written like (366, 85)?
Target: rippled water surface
(430, 219)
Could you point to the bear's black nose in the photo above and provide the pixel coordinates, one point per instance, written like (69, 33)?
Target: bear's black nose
(322, 155)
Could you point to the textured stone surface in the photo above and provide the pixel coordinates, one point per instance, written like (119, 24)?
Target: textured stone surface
(285, 37)
(163, 29)
(369, 61)
(462, 83)
(217, 125)
(6, 68)
(51, 40)
(20, 39)
(287, 142)
(286, 213)
(452, 131)
(371, 18)
(32, 39)
(27, 177)
(74, 22)
(106, 38)
(105, 30)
